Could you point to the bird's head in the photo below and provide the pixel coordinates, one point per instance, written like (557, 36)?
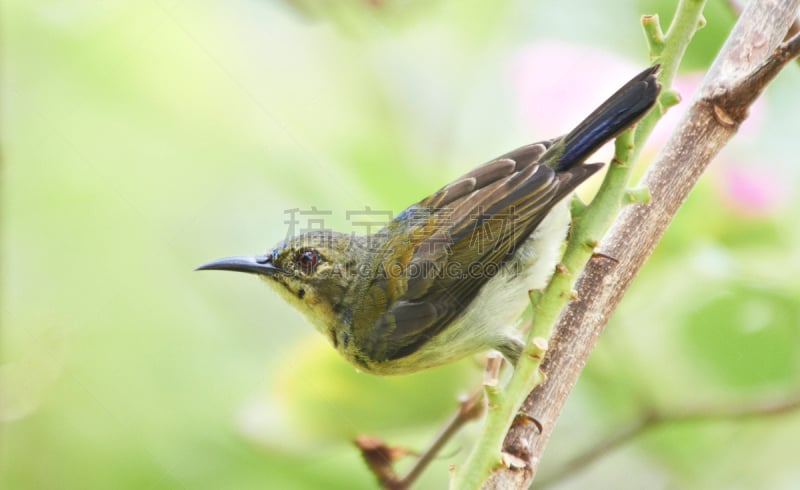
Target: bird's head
(311, 271)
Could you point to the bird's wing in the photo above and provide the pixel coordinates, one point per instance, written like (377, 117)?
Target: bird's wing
(453, 242)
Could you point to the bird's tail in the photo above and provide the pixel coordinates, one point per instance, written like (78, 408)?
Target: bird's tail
(616, 114)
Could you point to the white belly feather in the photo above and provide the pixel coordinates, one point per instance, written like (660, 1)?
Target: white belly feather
(496, 311)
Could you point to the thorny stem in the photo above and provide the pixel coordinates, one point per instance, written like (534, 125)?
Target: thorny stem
(587, 228)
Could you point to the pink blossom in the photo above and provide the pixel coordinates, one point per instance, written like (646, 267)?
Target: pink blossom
(558, 84)
(751, 191)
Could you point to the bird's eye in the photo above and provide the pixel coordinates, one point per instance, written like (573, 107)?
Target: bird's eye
(307, 260)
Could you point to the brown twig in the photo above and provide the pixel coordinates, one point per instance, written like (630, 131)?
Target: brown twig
(653, 419)
(380, 458)
(469, 409)
(750, 58)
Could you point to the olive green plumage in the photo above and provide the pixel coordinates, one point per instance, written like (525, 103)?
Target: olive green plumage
(448, 276)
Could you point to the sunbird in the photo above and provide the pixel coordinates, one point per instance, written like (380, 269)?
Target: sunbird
(450, 275)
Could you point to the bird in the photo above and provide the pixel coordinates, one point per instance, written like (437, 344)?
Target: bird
(449, 276)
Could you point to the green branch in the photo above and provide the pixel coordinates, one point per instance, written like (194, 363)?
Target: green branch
(588, 225)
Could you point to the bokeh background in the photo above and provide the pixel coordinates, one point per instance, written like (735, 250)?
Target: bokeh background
(142, 138)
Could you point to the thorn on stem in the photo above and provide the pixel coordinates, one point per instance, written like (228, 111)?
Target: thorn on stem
(524, 419)
(511, 461)
(602, 255)
(535, 295)
(493, 363)
(654, 35)
(722, 117)
(540, 343)
(670, 97)
(637, 195)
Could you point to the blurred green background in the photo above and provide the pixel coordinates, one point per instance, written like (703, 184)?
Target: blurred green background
(141, 139)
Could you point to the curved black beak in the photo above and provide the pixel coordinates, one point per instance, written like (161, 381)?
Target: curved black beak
(260, 264)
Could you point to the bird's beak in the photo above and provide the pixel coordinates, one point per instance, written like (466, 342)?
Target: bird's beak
(260, 264)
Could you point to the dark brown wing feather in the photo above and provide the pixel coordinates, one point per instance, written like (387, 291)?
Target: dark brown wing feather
(400, 310)
(430, 293)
